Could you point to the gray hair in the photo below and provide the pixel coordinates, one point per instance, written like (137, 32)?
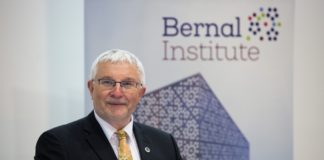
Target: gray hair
(116, 56)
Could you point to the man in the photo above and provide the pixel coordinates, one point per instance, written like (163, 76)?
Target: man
(109, 132)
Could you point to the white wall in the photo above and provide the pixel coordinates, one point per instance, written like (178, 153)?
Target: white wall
(309, 79)
(23, 68)
(65, 54)
(41, 66)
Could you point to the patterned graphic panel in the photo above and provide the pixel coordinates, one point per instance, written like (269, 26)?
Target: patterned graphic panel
(190, 111)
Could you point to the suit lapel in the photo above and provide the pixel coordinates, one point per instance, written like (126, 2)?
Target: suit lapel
(143, 142)
(97, 139)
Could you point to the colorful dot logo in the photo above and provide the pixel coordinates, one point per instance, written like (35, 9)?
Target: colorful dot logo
(264, 25)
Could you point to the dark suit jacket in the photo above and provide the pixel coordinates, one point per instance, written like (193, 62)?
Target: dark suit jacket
(85, 140)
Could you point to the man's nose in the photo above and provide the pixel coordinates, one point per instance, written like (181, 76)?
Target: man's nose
(117, 91)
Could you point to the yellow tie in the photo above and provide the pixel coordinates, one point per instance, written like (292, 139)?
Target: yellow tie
(123, 148)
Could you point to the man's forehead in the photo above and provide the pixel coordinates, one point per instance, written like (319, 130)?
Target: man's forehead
(125, 67)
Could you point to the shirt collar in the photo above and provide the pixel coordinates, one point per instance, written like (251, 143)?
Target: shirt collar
(109, 130)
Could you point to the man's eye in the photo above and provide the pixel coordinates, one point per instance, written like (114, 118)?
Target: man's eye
(107, 82)
(127, 83)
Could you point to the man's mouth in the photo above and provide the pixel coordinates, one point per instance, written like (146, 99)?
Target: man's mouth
(116, 102)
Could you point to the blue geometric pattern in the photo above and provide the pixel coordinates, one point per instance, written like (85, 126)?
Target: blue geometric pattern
(190, 111)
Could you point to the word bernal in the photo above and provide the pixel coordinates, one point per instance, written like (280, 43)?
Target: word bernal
(206, 49)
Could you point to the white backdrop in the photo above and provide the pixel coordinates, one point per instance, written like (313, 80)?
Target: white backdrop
(256, 91)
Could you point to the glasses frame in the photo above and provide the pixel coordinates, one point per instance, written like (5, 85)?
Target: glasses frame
(121, 84)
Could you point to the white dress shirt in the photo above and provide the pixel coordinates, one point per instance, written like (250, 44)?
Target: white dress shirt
(113, 139)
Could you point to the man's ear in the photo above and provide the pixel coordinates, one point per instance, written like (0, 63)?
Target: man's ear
(90, 87)
(142, 92)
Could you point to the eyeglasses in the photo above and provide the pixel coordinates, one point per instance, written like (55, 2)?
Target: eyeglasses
(111, 84)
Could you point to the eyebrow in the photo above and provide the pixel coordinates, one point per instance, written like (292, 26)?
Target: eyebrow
(105, 77)
(125, 79)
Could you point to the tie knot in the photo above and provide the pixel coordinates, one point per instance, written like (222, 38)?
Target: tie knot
(121, 134)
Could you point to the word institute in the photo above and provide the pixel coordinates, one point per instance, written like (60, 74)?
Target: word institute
(210, 52)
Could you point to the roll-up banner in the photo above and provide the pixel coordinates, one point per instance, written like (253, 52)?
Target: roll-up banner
(218, 72)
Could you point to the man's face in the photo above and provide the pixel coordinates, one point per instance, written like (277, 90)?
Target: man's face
(117, 104)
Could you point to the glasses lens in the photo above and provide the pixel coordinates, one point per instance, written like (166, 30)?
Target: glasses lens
(128, 84)
(107, 83)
